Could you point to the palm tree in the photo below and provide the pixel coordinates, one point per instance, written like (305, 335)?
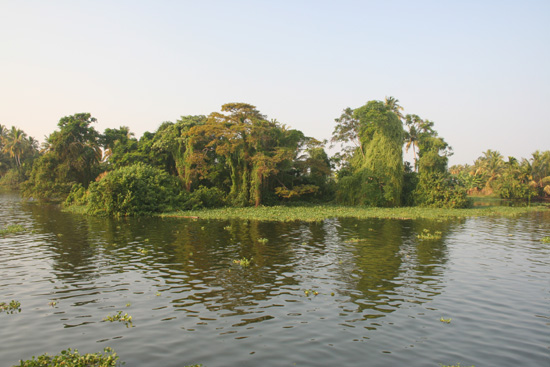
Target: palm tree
(393, 105)
(14, 144)
(540, 166)
(489, 165)
(411, 135)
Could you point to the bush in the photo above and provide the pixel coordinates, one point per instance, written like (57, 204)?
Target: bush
(77, 196)
(362, 188)
(12, 178)
(134, 190)
(438, 190)
(210, 197)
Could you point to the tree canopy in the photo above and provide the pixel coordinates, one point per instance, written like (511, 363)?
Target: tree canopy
(240, 157)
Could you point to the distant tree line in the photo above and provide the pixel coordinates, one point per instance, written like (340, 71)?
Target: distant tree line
(238, 157)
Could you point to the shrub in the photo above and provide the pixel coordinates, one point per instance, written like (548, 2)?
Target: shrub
(438, 190)
(12, 178)
(362, 188)
(77, 196)
(209, 197)
(134, 190)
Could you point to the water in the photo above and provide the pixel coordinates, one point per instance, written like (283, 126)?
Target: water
(381, 292)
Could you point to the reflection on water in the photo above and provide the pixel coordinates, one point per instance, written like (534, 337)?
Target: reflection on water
(336, 292)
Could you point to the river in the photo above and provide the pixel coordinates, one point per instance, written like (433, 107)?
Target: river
(341, 292)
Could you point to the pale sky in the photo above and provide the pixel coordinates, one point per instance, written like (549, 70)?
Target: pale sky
(479, 69)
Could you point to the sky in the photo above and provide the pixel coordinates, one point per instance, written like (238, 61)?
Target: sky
(480, 70)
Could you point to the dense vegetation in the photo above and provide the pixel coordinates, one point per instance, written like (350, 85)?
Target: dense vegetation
(238, 157)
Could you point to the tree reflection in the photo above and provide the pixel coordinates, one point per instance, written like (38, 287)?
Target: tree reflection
(66, 236)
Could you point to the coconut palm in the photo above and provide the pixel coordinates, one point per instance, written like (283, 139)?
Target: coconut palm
(489, 166)
(14, 144)
(540, 166)
(393, 104)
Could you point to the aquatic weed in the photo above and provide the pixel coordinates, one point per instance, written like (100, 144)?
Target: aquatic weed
(11, 307)
(426, 235)
(322, 212)
(14, 228)
(126, 319)
(244, 262)
(72, 358)
(545, 239)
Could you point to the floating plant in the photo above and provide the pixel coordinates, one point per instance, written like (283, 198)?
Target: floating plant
(447, 321)
(73, 358)
(11, 307)
(126, 319)
(307, 292)
(244, 262)
(14, 228)
(426, 235)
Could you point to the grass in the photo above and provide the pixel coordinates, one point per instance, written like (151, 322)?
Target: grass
(322, 212)
(14, 228)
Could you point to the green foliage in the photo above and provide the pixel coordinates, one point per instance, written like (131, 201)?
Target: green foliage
(363, 188)
(46, 182)
(135, 190)
(381, 134)
(375, 161)
(77, 196)
(72, 358)
(318, 213)
(244, 262)
(545, 239)
(439, 190)
(14, 228)
(11, 307)
(207, 197)
(73, 155)
(119, 317)
(426, 235)
(297, 191)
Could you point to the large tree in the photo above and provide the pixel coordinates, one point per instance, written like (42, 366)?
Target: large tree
(251, 149)
(73, 155)
(377, 161)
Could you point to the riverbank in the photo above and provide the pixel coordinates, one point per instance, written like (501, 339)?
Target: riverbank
(322, 212)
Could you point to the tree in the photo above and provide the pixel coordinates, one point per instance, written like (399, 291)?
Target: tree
(515, 180)
(489, 167)
(120, 148)
(382, 141)
(436, 187)
(346, 132)
(393, 105)
(241, 145)
(72, 157)
(15, 144)
(540, 163)
(174, 140)
(376, 162)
